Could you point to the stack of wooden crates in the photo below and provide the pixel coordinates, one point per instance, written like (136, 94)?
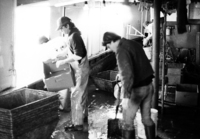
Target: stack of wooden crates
(185, 94)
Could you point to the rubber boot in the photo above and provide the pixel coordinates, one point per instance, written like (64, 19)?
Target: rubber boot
(128, 134)
(150, 132)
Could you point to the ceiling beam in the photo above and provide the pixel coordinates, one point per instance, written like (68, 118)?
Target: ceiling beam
(24, 2)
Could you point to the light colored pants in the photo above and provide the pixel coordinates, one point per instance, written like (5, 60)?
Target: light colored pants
(79, 100)
(140, 98)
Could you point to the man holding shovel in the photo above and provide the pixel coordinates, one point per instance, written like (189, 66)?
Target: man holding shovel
(136, 76)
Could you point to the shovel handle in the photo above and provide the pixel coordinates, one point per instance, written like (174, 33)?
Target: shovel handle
(117, 108)
(118, 100)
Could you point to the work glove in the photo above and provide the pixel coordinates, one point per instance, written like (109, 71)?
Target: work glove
(117, 91)
(117, 78)
(125, 103)
(60, 63)
(62, 56)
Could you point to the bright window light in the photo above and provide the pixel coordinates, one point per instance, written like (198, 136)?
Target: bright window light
(30, 23)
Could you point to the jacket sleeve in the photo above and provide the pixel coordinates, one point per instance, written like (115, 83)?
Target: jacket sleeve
(126, 72)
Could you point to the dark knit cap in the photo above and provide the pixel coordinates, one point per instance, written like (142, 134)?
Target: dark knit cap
(108, 37)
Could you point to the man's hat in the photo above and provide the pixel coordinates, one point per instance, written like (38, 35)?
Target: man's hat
(62, 21)
(108, 37)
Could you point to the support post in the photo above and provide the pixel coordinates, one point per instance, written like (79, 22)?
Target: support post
(156, 51)
(198, 48)
(164, 86)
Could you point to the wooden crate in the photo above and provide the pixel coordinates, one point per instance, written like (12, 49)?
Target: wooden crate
(187, 94)
(105, 80)
(102, 64)
(174, 76)
(26, 109)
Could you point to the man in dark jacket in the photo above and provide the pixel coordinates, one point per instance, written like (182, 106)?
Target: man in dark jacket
(136, 76)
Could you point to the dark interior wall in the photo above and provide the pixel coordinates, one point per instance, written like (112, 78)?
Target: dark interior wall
(185, 40)
(24, 2)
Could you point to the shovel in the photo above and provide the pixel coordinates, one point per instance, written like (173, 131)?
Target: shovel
(114, 126)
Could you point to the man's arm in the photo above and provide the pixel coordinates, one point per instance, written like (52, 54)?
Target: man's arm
(126, 72)
(146, 40)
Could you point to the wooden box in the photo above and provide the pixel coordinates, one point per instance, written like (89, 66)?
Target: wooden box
(50, 67)
(174, 76)
(60, 80)
(187, 95)
(105, 80)
(26, 109)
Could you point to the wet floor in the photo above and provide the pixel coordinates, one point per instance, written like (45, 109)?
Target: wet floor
(179, 123)
(176, 122)
(101, 107)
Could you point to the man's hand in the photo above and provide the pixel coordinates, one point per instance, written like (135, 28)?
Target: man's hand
(117, 78)
(125, 103)
(54, 60)
(117, 91)
(62, 56)
(60, 63)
